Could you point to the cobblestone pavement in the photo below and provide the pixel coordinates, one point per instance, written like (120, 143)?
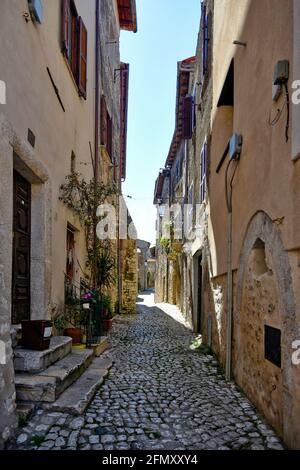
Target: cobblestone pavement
(159, 395)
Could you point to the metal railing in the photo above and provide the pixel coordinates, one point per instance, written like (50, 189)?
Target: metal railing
(86, 301)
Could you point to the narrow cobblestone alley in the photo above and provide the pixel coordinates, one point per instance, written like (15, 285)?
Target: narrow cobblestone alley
(159, 394)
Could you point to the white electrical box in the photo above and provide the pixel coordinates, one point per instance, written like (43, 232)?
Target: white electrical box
(36, 10)
(235, 146)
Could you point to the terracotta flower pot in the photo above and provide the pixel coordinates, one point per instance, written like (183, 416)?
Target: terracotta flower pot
(107, 324)
(74, 333)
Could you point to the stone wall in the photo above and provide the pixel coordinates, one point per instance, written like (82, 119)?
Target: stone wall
(129, 276)
(7, 387)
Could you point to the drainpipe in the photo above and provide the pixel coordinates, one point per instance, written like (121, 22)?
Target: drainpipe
(234, 148)
(119, 245)
(97, 118)
(97, 91)
(229, 298)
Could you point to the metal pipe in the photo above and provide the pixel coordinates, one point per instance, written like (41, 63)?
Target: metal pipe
(229, 299)
(96, 133)
(97, 90)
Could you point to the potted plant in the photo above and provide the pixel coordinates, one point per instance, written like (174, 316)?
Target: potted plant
(107, 313)
(70, 322)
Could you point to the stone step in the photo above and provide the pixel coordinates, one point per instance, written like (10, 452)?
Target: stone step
(76, 398)
(29, 361)
(69, 369)
(49, 384)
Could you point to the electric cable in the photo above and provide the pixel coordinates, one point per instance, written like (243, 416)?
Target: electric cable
(288, 111)
(278, 115)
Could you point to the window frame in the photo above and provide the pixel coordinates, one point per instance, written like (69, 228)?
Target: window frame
(203, 170)
(107, 128)
(74, 36)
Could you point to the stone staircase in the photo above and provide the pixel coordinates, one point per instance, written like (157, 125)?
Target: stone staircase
(61, 378)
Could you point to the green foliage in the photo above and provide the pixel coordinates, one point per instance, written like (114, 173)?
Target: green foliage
(22, 420)
(60, 322)
(164, 243)
(83, 198)
(38, 439)
(72, 315)
(197, 345)
(107, 307)
(105, 263)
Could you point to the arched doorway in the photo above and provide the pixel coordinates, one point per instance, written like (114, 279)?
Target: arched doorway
(263, 320)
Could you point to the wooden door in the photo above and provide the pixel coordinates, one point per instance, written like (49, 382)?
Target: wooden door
(199, 296)
(70, 254)
(21, 249)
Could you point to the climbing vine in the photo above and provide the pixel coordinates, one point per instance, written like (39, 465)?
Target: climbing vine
(83, 198)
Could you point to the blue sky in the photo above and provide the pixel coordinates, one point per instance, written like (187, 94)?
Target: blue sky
(167, 33)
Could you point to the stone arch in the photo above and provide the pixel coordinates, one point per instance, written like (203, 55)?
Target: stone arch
(253, 288)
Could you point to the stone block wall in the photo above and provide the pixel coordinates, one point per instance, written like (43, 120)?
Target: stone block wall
(129, 276)
(7, 387)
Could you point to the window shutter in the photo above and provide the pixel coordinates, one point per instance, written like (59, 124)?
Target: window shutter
(203, 172)
(65, 27)
(103, 122)
(188, 115)
(109, 136)
(82, 60)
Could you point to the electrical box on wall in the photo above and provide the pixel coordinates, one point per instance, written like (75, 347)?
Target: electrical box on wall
(281, 73)
(235, 146)
(281, 76)
(36, 10)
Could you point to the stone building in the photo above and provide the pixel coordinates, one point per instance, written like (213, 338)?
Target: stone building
(65, 111)
(146, 265)
(143, 252)
(242, 265)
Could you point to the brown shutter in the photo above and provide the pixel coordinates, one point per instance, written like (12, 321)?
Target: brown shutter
(188, 114)
(103, 122)
(65, 25)
(82, 60)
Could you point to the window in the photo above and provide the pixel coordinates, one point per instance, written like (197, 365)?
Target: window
(258, 258)
(188, 117)
(203, 173)
(73, 163)
(206, 28)
(273, 345)
(70, 254)
(74, 44)
(190, 207)
(106, 128)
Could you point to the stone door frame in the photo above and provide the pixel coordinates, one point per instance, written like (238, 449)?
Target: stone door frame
(16, 154)
(262, 227)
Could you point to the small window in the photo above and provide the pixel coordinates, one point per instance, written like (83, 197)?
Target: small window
(203, 173)
(205, 39)
(70, 264)
(258, 258)
(73, 163)
(188, 116)
(74, 44)
(273, 345)
(106, 128)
